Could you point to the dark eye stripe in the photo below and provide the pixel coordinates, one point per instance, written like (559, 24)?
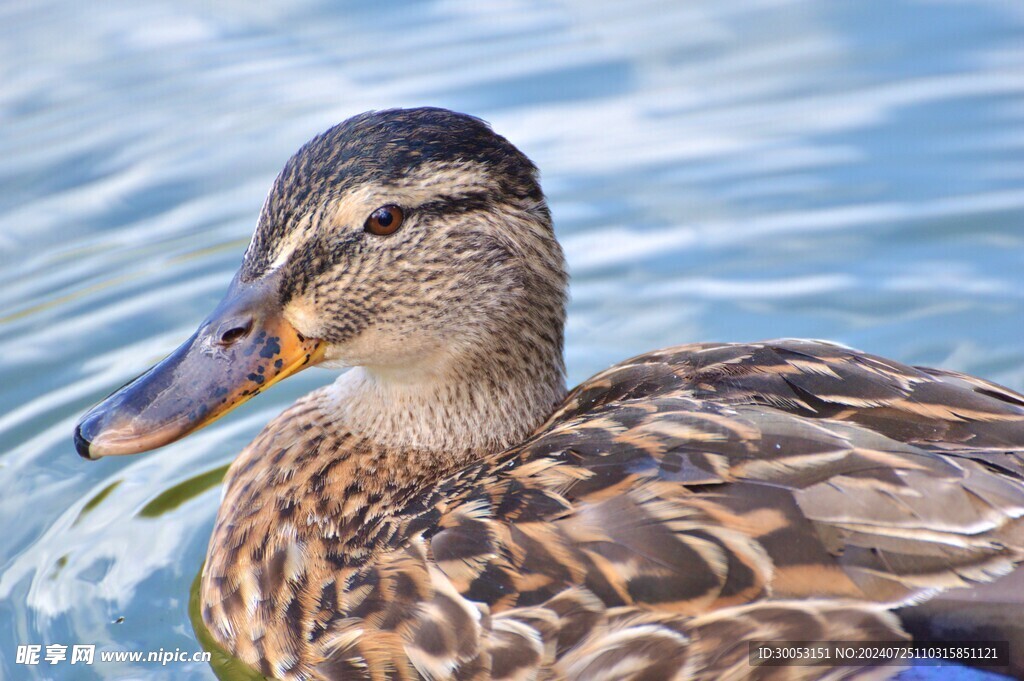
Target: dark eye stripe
(446, 205)
(323, 253)
(320, 254)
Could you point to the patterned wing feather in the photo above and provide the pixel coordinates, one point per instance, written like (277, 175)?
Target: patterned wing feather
(700, 479)
(689, 497)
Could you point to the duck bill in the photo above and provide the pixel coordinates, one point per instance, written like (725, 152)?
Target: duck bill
(242, 349)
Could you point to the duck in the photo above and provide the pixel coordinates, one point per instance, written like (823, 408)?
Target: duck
(447, 509)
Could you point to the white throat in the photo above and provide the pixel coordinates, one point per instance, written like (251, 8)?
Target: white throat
(438, 412)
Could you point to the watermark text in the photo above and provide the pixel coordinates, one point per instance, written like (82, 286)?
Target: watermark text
(57, 653)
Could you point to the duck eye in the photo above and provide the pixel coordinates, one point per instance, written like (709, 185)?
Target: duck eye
(385, 220)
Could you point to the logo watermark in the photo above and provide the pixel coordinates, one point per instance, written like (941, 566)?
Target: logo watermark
(57, 653)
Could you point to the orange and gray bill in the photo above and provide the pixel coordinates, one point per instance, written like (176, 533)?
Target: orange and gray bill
(243, 348)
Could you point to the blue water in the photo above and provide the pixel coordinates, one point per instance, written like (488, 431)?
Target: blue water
(718, 170)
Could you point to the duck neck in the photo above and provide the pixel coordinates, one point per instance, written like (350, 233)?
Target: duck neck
(457, 409)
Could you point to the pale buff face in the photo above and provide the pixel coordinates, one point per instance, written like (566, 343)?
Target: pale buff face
(448, 276)
(401, 298)
(474, 260)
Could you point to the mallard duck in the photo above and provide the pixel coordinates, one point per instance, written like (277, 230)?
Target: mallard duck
(447, 510)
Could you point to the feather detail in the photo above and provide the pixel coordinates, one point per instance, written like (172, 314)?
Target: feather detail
(678, 500)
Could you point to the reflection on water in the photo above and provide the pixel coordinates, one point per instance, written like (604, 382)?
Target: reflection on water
(718, 171)
(224, 665)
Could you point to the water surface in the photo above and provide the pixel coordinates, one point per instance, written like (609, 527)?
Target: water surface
(728, 170)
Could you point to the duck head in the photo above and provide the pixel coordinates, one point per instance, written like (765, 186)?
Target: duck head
(410, 242)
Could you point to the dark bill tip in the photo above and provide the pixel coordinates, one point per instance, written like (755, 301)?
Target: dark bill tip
(81, 444)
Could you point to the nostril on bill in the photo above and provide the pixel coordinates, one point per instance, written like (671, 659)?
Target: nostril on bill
(235, 333)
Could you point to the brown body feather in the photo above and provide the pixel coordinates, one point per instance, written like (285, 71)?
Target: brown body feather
(677, 500)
